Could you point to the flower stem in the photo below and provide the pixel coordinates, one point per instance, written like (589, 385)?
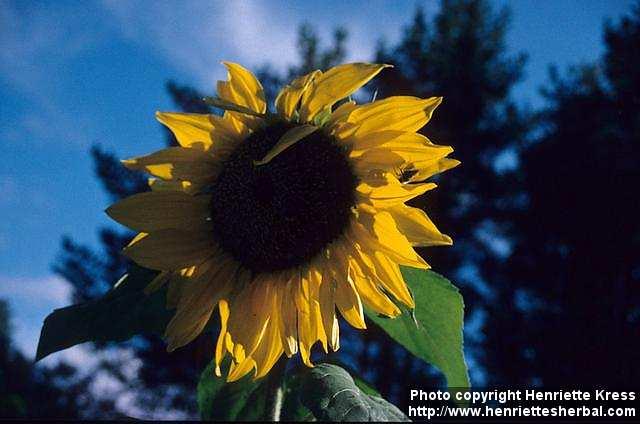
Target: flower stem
(275, 390)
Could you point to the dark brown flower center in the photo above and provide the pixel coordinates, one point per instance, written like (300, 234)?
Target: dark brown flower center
(281, 214)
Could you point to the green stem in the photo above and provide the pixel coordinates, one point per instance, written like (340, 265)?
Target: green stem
(275, 390)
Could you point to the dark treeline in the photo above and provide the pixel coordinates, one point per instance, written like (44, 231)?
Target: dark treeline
(543, 212)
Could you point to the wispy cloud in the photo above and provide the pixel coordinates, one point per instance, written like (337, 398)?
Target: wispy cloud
(37, 43)
(36, 39)
(196, 35)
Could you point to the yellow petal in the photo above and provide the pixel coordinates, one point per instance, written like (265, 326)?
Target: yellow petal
(287, 140)
(157, 184)
(361, 272)
(402, 113)
(137, 238)
(400, 154)
(191, 129)
(239, 370)
(290, 96)
(270, 349)
(336, 84)
(383, 190)
(310, 328)
(359, 144)
(151, 211)
(379, 233)
(341, 114)
(428, 169)
(178, 163)
(200, 295)
(172, 249)
(346, 296)
(250, 314)
(390, 278)
(288, 315)
(417, 227)
(223, 309)
(327, 301)
(243, 88)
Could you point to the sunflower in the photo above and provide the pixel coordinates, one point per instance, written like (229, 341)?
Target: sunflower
(281, 220)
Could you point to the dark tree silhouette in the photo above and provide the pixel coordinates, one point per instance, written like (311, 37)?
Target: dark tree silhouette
(30, 392)
(577, 241)
(460, 54)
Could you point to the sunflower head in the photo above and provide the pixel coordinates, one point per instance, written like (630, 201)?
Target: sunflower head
(280, 221)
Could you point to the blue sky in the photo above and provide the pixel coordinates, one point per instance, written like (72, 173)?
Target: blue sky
(74, 73)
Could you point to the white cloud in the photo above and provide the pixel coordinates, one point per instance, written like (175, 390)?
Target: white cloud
(49, 289)
(30, 301)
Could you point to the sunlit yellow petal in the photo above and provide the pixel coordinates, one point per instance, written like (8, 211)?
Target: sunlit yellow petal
(417, 227)
(360, 272)
(346, 296)
(223, 309)
(379, 233)
(426, 170)
(290, 96)
(179, 163)
(327, 295)
(191, 129)
(394, 113)
(310, 327)
(250, 314)
(394, 154)
(244, 89)
(336, 84)
(270, 349)
(390, 278)
(384, 190)
(341, 114)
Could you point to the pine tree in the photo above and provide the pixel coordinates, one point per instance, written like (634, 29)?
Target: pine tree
(28, 391)
(578, 234)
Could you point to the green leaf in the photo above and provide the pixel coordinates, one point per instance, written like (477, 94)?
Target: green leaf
(242, 400)
(331, 395)
(437, 337)
(292, 408)
(360, 381)
(122, 313)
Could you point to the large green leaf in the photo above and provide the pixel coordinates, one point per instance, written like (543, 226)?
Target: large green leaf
(242, 400)
(331, 395)
(436, 333)
(122, 313)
